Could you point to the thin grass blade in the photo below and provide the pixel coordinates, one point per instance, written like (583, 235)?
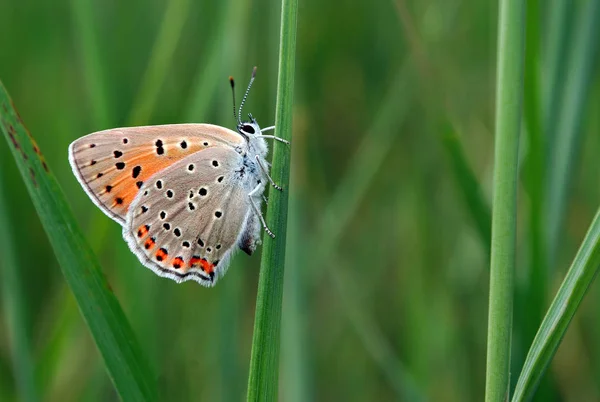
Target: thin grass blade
(94, 73)
(158, 65)
(430, 80)
(470, 188)
(556, 38)
(353, 187)
(580, 71)
(210, 77)
(568, 298)
(366, 162)
(110, 329)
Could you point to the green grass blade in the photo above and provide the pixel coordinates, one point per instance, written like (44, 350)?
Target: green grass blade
(162, 55)
(531, 294)
(534, 166)
(56, 342)
(509, 89)
(351, 191)
(477, 206)
(344, 203)
(580, 276)
(264, 363)
(379, 348)
(554, 61)
(85, 25)
(112, 333)
(209, 76)
(15, 307)
(566, 147)
(364, 166)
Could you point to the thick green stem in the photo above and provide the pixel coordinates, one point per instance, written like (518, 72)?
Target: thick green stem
(264, 363)
(511, 39)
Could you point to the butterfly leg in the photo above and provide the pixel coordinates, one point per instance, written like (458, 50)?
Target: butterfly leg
(262, 130)
(275, 138)
(266, 172)
(251, 195)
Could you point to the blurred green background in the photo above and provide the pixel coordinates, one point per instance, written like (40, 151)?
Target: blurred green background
(386, 284)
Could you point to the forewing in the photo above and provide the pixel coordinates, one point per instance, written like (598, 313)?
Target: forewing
(112, 165)
(188, 218)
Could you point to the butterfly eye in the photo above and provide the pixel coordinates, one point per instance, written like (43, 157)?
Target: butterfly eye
(247, 128)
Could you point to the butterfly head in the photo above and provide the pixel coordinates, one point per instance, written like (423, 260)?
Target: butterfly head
(249, 128)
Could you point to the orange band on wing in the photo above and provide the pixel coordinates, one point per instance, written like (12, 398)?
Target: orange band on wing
(143, 231)
(178, 262)
(161, 254)
(207, 266)
(204, 265)
(150, 242)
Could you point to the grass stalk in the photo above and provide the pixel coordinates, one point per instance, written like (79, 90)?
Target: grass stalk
(470, 188)
(568, 298)
(158, 65)
(431, 79)
(565, 149)
(95, 74)
(377, 345)
(351, 191)
(554, 61)
(509, 88)
(344, 203)
(365, 164)
(219, 54)
(530, 299)
(264, 362)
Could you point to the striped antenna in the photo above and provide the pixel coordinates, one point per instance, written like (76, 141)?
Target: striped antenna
(237, 118)
(247, 90)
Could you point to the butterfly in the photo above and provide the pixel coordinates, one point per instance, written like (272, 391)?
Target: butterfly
(186, 195)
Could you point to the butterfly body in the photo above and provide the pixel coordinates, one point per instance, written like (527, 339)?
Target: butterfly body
(187, 195)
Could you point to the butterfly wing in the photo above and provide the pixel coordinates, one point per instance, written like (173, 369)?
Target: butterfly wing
(187, 219)
(112, 165)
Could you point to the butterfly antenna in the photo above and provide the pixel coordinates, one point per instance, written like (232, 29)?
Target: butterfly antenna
(247, 91)
(236, 118)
